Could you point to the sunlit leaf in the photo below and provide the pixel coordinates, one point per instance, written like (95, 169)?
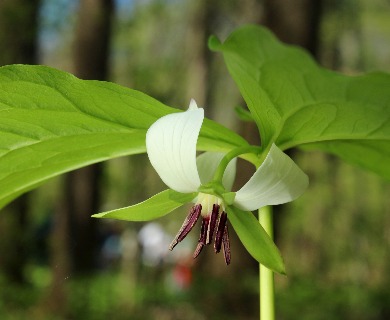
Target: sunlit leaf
(51, 122)
(297, 103)
(255, 239)
(155, 207)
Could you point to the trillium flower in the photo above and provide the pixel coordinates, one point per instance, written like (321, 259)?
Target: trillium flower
(171, 147)
(206, 181)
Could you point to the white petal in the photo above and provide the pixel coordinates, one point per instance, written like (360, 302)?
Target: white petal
(207, 164)
(278, 180)
(193, 105)
(171, 147)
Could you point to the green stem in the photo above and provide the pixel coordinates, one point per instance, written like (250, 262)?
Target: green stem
(267, 307)
(230, 156)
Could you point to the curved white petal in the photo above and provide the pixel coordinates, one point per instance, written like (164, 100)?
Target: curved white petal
(171, 147)
(207, 164)
(278, 180)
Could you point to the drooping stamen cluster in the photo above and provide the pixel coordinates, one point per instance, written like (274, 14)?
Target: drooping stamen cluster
(214, 225)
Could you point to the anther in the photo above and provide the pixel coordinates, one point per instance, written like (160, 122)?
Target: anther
(187, 226)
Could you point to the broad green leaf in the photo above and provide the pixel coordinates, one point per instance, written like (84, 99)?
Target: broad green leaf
(255, 239)
(51, 122)
(297, 103)
(155, 207)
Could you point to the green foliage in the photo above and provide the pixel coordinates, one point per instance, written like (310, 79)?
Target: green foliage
(314, 299)
(51, 122)
(243, 114)
(147, 294)
(255, 239)
(152, 208)
(296, 103)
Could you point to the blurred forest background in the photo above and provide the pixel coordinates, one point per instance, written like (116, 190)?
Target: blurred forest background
(58, 263)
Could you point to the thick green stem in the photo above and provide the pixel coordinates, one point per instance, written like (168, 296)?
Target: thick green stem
(267, 308)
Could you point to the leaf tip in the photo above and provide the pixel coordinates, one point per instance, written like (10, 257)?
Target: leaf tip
(283, 270)
(280, 269)
(98, 215)
(214, 43)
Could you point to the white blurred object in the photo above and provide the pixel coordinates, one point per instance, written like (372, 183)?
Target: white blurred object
(154, 242)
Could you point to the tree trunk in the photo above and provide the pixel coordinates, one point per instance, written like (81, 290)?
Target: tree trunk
(295, 21)
(55, 300)
(82, 192)
(91, 61)
(14, 241)
(92, 44)
(18, 35)
(18, 31)
(200, 59)
(74, 241)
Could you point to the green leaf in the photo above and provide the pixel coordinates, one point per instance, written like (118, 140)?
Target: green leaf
(255, 239)
(297, 103)
(51, 122)
(243, 115)
(155, 207)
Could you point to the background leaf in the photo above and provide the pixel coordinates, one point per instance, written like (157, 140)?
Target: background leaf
(51, 122)
(243, 115)
(255, 239)
(297, 103)
(155, 207)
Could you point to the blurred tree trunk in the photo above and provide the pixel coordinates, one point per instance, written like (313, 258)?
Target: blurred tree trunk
(55, 300)
(74, 241)
(295, 21)
(82, 192)
(18, 31)
(18, 35)
(13, 240)
(91, 60)
(201, 26)
(93, 35)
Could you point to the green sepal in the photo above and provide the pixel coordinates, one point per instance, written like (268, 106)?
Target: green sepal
(155, 207)
(255, 239)
(213, 187)
(228, 197)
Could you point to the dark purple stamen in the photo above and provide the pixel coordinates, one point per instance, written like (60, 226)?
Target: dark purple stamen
(203, 230)
(220, 232)
(226, 245)
(198, 249)
(187, 226)
(203, 236)
(212, 224)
